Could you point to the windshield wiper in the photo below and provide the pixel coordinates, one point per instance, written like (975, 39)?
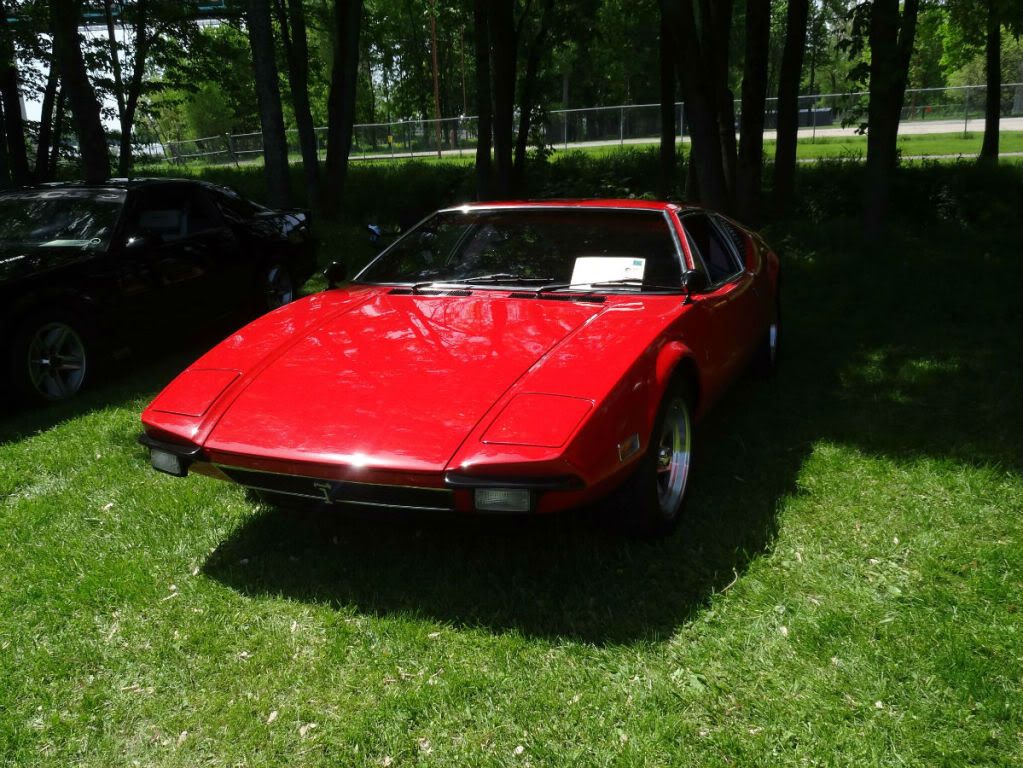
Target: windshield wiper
(623, 282)
(502, 277)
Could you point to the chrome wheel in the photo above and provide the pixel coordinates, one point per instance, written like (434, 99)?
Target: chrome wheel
(279, 288)
(56, 361)
(673, 457)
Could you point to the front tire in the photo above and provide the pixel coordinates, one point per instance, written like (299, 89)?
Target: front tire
(50, 357)
(657, 490)
(278, 287)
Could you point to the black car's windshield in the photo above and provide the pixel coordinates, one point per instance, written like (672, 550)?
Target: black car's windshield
(77, 218)
(532, 247)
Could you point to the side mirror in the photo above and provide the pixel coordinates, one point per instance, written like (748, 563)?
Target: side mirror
(694, 281)
(375, 233)
(335, 273)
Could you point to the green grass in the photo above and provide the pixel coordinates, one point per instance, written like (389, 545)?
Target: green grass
(846, 590)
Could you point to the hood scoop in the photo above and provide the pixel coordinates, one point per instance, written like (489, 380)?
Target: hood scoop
(429, 292)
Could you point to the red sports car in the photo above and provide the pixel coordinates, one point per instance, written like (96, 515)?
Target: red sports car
(498, 358)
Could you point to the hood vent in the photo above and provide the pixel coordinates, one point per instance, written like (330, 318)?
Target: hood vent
(430, 292)
(588, 298)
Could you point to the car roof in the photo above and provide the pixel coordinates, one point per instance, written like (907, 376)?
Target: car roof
(601, 203)
(116, 183)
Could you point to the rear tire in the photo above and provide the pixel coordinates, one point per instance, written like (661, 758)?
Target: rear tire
(657, 490)
(51, 357)
(765, 358)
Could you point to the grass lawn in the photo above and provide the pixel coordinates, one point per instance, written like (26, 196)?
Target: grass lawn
(845, 591)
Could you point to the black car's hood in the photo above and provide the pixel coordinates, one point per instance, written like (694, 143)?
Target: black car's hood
(21, 261)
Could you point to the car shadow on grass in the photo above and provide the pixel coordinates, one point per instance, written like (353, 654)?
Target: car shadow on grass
(901, 368)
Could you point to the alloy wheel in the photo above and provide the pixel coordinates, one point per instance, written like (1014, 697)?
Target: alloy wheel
(673, 457)
(56, 361)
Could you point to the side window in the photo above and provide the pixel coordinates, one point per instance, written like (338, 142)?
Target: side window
(201, 214)
(734, 234)
(175, 212)
(707, 241)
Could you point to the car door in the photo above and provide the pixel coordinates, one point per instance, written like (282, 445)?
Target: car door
(186, 240)
(729, 306)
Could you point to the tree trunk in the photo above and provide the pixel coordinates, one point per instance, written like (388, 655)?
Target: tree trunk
(502, 34)
(484, 166)
(666, 177)
(42, 165)
(788, 103)
(14, 125)
(693, 66)
(268, 95)
(993, 105)
(717, 32)
(133, 91)
(436, 74)
(341, 99)
(891, 45)
(296, 48)
(527, 97)
(751, 126)
(58, 133)
(5, 166)
(85, 108)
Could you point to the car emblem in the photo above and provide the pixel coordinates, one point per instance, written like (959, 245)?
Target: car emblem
(325, 488)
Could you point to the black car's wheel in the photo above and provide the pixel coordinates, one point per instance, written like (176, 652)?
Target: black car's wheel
(765, 358)
(657, 490)
(278, 287)
(50, 357)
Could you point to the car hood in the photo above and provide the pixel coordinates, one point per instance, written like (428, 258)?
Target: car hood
(21, 261)
(396, 382)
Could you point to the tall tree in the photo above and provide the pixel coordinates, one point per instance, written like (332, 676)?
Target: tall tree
(667, 114)
(700, 48)
(46, 120)
(347, 25)
(503, 44)
(534, 46)
(268, 93)
(14, 125)
(85, 107)
(891, 32)
(292, 22)
(484, 106)
(751, 121)
(797, 15)
(993, 77)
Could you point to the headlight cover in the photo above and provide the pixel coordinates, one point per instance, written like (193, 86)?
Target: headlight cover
(538, 420)
(194, 391)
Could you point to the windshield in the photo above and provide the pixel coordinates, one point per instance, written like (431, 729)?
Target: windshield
(77, 218)
(534, 247)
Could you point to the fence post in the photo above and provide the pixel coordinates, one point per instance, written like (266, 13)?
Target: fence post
(966, 112)
(813, 117)
(564, 118)
(621, 127)
(231, 156)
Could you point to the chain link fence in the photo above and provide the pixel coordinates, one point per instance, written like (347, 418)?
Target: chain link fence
(925, 110)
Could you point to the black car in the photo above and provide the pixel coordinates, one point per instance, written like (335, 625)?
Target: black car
(87, 271)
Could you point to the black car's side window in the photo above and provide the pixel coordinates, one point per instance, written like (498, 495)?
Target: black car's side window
(717, 255)
(175, 213)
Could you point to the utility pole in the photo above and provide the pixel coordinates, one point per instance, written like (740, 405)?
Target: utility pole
(436, 74)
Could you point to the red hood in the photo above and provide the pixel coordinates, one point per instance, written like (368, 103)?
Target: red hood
(397, 382)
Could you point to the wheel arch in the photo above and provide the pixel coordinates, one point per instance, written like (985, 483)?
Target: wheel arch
(676, 362)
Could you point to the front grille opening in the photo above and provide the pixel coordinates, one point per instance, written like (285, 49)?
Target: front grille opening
(345, 492)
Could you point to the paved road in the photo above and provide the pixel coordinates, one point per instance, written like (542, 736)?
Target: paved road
(906, 128)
